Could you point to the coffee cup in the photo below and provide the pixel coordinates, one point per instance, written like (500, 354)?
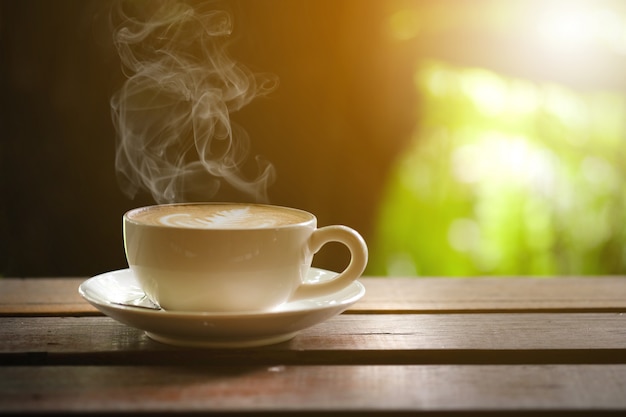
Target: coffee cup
(232, 257)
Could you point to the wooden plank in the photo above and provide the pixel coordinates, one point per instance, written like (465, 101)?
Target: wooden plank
(488, 294)
(59, 296)
(365, 339)
(43, 296)
(329, 389)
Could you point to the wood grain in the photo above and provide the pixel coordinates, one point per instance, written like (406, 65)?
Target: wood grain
(329, 389)
(59, 296)
(495, 294)
(437, 346)
(364, 339)
(43, 296)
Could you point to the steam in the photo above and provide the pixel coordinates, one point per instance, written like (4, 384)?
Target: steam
(172, 114)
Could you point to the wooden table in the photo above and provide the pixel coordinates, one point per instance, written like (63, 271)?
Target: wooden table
(439, 346)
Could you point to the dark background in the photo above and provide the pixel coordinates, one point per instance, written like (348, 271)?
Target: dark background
(345, 109)
(342, 112)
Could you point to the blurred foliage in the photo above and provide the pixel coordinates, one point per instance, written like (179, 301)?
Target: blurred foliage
(506, 177)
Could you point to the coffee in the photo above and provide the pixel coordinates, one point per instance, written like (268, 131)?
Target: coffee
(218, 216)
(229, 257)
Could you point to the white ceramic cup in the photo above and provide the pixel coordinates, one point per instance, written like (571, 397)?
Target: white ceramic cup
(229, 257)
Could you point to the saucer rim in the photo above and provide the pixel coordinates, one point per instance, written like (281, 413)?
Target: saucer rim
(219, 314)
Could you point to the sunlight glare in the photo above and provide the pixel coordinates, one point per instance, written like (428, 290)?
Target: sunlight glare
(576, 26)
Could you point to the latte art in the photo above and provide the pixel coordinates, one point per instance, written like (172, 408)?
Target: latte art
(225, 219)
(219, 216)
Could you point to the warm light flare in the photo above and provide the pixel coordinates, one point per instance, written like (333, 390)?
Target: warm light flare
(566, 27)
(579, 27)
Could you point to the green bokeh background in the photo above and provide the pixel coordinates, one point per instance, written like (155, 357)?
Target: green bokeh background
(506, 177)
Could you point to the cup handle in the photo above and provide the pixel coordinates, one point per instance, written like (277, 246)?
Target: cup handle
(358, 260)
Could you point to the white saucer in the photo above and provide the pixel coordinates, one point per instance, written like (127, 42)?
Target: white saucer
(118, 295)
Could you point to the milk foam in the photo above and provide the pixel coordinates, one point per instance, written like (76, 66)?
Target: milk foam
(224, 219)
(219, 216)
